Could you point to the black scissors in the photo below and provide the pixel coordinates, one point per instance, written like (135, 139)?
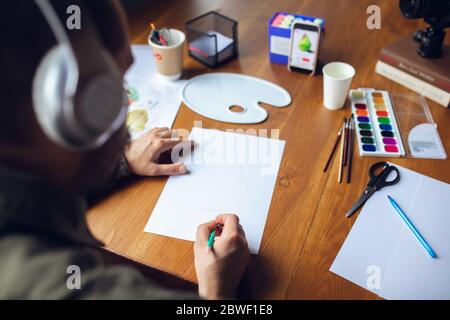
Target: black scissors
(378, 174)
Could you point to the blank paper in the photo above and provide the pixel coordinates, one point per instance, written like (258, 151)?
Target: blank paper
(380, 239)
(228, 173)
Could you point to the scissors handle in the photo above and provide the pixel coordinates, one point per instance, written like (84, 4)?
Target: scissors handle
(379, 181)
(376, 166)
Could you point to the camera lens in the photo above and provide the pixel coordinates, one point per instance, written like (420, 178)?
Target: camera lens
(413, 9)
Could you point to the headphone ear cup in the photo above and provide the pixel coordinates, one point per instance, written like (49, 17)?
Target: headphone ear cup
(76, 119)
(100, 101)
(54, 85)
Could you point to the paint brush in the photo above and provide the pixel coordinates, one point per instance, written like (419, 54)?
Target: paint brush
(333, 150)
(341, 162)
(347, 125)
(350, 148)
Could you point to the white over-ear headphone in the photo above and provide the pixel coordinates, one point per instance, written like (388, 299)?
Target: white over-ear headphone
(75, 116)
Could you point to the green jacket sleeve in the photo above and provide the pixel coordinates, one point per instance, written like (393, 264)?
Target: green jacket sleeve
(33, 269)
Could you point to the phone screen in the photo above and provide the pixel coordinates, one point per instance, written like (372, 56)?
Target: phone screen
(304, 47)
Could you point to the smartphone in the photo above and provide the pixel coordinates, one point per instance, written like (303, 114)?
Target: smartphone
(304, 48)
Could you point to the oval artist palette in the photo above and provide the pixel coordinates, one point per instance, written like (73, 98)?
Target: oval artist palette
(234, 98)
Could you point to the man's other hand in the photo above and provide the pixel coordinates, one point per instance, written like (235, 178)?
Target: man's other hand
(143, 154)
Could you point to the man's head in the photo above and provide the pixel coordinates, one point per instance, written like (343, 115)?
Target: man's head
(23, 144)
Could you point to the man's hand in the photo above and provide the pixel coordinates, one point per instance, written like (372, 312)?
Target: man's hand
(143, 154)
(220, 269)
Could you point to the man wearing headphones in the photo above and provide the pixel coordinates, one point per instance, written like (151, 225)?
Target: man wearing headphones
(63, 137)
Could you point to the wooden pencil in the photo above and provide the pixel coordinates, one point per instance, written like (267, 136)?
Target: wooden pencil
(341, 162)
(333, 150)
(350, 148)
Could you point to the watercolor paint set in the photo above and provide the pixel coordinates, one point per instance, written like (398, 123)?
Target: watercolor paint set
(394, 125)
(375, 123)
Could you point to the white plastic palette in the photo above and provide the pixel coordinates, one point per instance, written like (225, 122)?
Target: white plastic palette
(213, 95)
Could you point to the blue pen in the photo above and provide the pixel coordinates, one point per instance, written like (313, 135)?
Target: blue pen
(412, 228)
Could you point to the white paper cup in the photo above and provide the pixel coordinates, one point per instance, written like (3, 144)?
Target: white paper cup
(337, 78)
(169, 59)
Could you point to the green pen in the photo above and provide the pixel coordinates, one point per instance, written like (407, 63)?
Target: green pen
(212, 236)
(211, 239)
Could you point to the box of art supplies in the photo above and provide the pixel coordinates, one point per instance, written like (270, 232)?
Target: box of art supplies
(394, 125)
(279, 32)
(212, 39)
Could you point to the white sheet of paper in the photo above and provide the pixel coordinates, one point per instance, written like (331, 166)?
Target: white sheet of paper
(382, 255)
(229, 173)
(159, 98)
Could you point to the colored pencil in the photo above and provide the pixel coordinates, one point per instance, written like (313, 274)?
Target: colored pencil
(333, 150)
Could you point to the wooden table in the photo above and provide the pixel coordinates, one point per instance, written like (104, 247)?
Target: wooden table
(306, 226)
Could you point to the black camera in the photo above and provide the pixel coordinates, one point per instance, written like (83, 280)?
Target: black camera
(437, 14)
